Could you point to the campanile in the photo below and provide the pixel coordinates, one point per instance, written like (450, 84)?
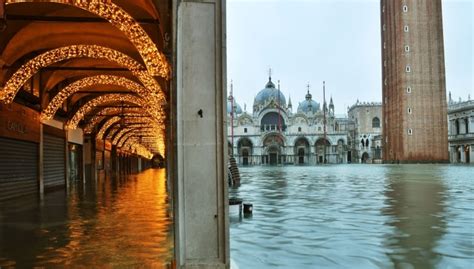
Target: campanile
(413, 81)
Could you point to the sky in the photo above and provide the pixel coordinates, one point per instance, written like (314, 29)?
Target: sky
(337, 41)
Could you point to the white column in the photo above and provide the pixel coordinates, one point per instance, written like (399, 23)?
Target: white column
(463, 155)
(201, 211)
(471, 153)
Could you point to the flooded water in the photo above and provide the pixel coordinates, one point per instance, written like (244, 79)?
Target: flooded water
(356, 216)
(124, 223)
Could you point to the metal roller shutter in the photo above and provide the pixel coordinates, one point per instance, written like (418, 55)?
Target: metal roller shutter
(54, 161)
(18, 168)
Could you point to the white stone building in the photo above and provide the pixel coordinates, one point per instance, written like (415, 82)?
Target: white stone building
(273, 134)
(461, 131)
(367, 136)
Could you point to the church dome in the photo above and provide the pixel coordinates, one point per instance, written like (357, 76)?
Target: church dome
(308, 105)
(270, 93)
(237, 107)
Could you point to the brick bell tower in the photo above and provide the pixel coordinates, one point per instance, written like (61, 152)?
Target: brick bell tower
(413, 81)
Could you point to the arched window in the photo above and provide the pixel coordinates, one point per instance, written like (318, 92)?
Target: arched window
(362, 142)
(375, 122)
(457, 127)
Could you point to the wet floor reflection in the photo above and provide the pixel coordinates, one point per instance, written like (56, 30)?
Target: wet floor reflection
(355, 216)
(124, 222)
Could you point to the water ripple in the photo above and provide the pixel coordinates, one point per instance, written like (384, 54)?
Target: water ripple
(355, 216)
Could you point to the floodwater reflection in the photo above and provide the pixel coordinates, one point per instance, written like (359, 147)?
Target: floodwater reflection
(356, 216)
(416, 206)
(124, 222)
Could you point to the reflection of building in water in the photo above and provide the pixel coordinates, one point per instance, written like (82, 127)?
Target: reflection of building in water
(417, 214)
(461, 130)
(274, 134)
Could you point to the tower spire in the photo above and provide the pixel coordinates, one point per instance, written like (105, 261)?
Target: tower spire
(270, 74)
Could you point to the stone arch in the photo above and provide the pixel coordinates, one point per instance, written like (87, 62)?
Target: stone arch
(322, 146)
(155, 61)
(271, 122)
(25, 72)
(78, 85)
(273, 145)
(365, 157)
(245, 150)
(302, 150)
(375, 122)
(111, 98)
(103, 113)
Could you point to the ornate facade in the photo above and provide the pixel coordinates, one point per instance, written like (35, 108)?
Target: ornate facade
(461, 131)
(273, 134)
(367, 138)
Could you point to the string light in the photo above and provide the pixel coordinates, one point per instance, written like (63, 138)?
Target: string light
(104, 112)
(155, 61)
(138, 148)
(49, 112)
(112, 98)
(22, 75)
(107, 124)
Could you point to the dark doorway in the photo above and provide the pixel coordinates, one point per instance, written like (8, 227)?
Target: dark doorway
(349, 157)
(301, 156)
(245, 157)
(467, 157)
(273, 158)
(365, 157)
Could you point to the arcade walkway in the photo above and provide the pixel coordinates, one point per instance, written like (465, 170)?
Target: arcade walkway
(125, 222)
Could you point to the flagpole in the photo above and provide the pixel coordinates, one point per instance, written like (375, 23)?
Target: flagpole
(324, 121)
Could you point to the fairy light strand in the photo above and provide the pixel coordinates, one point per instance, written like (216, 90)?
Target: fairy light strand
(25, 72)
(112, 98)
(155, 60)
(58, 100)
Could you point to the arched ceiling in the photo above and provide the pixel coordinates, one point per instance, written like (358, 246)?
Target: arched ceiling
(137, 29)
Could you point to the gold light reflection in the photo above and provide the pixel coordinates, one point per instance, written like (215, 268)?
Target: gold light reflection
(112, 98)
(127, 225)
(56, 103)
(22, 75)
(155, 61)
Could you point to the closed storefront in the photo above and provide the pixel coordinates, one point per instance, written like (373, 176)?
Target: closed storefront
(19, 143)
(54, 161)
(18, 168)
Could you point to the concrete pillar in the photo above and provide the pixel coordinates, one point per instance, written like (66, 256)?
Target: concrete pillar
(201, 210)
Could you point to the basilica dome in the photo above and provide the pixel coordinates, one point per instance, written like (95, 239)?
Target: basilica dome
(308, 105)
(269, 93)
(237, 107)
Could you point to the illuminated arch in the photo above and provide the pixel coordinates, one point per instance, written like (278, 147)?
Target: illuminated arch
(102, 113)
(55, 104)
(122, 136)
(112, 98)
(107, 124)
(21, 76)
(138, 148)
(154, 60)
